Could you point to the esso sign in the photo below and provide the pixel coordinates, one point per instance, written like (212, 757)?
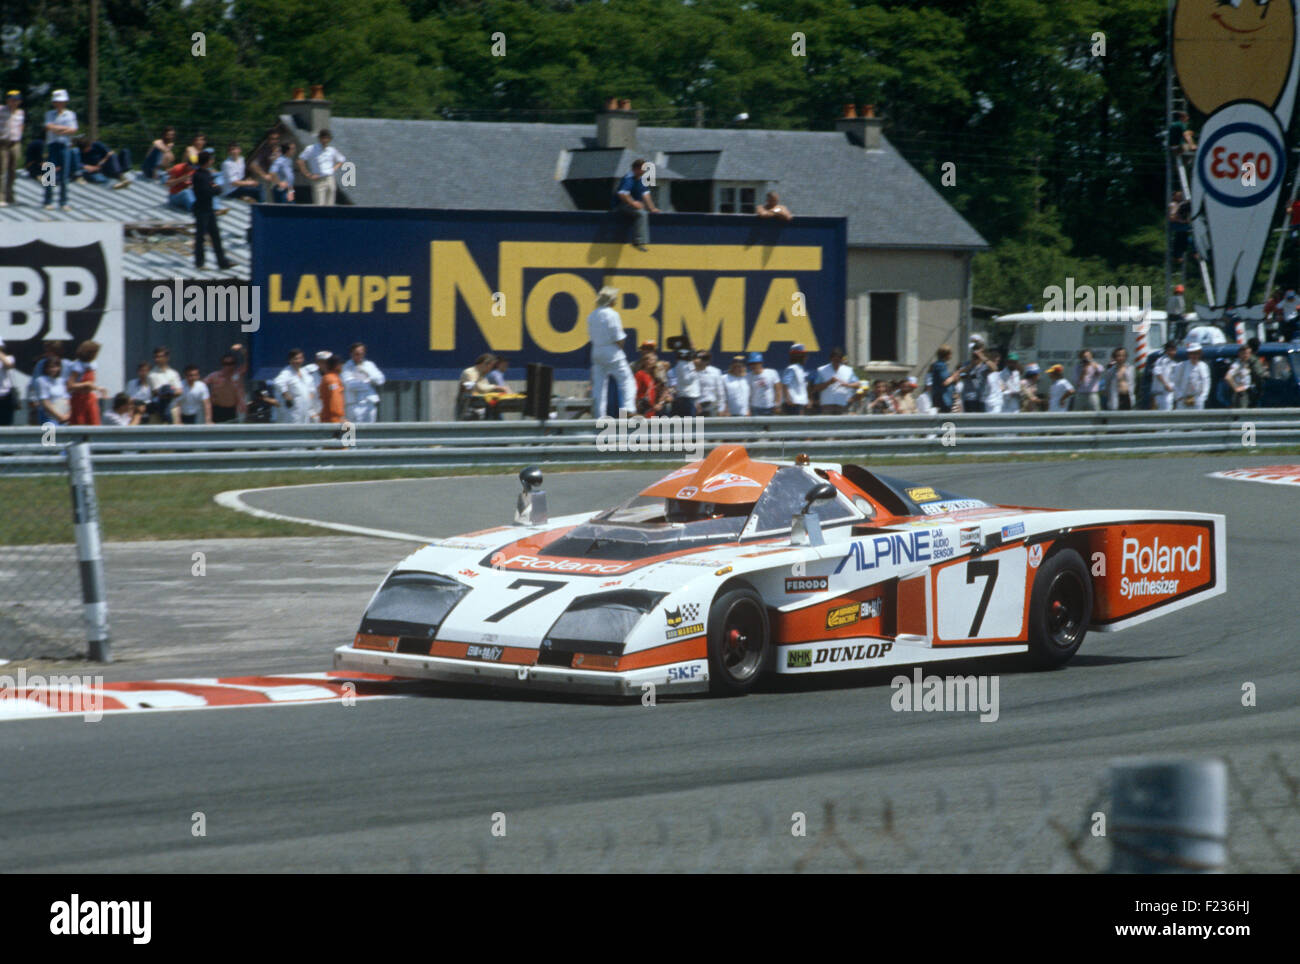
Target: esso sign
(1227, 163)
(1241, 163)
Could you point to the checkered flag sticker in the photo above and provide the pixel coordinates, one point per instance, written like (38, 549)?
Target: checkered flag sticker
(690, 611)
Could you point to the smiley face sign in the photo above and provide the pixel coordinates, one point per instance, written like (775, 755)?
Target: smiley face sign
(1231, 50)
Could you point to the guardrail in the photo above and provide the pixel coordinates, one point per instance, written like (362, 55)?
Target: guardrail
(225, 448)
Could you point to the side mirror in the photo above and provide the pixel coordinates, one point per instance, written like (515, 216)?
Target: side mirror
(531, 478)
(530, 509)
(806, 528)
(820, 492)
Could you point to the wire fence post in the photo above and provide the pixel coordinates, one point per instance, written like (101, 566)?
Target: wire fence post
(90, 557)
(1169, 815)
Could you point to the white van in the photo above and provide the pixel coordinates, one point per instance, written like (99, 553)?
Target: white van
(1056, 337)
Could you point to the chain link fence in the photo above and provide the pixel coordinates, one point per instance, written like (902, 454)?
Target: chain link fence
(1000, 829)
(41, 613)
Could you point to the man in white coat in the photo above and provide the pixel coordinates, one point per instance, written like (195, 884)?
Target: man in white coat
(1162, 378)
(605, 332)
(294, 391)
(1193, 380)
(361, 380)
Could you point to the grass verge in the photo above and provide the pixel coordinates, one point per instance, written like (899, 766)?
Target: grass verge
(37, 509)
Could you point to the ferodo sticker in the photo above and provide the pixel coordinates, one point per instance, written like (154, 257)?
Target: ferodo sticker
(806, 584)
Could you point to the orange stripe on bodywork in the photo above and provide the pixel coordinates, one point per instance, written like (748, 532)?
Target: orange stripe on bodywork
(696, 647)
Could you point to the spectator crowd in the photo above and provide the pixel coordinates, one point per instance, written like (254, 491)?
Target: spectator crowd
(66, 391)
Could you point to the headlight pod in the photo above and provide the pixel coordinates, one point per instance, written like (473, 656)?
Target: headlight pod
(600, 623)
(412, 604)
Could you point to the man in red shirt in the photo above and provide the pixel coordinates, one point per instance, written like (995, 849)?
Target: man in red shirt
(180, 190)
(645, 381)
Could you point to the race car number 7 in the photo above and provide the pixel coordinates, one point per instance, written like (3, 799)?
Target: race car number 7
(543, 586)
(982, 597)
(987, 568)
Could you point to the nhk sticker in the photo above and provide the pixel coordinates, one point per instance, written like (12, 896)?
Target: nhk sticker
(798, 659)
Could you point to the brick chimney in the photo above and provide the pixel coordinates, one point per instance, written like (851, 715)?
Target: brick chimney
(616, 124)
(310, 114)
(862, 126)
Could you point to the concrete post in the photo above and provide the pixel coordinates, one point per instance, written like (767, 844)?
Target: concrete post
(85, 517)
(1168, 815)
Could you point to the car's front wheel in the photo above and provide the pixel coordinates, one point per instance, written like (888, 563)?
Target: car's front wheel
(738, 641)
(1060, 608)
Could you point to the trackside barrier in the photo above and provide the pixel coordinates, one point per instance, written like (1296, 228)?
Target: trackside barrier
(224, 448)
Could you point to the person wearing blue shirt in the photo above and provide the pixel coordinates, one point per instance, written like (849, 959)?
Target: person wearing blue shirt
(941, 381)
(60, 125)
(632, 199)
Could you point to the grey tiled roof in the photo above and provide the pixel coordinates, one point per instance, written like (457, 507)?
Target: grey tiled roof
(514, 166)
(148, 254)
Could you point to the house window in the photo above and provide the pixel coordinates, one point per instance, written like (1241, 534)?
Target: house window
(883, 336)
(738, 198)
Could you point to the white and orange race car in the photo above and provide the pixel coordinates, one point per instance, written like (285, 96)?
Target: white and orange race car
(730, 568)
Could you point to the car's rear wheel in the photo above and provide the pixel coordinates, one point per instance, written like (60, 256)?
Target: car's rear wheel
(738, 641)
(1059, 608)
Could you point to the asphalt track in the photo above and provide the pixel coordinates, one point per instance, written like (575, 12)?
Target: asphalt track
(414, 783)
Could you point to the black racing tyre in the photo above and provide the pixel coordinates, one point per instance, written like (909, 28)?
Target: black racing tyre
(739, 653)
(1060, 608)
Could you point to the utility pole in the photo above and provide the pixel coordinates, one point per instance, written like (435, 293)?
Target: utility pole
(92, 85)
(1170, 157)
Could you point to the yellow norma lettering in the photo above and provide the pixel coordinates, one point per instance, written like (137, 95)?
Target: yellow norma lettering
(373, 287)
(537, 313)
(342, 295)
(399, 294)
(308, 297)
(454, 272)
(275, 302)
(638, 310)
(724, 315)
(770, 328)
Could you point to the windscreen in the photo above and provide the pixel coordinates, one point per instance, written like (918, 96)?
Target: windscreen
(784, 497)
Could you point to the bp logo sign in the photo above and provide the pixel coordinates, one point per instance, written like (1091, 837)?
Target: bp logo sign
(61, 282)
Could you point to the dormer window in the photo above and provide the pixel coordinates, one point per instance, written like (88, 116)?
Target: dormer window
(737, 198)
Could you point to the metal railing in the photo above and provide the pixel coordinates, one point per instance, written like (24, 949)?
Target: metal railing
(224, 448)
